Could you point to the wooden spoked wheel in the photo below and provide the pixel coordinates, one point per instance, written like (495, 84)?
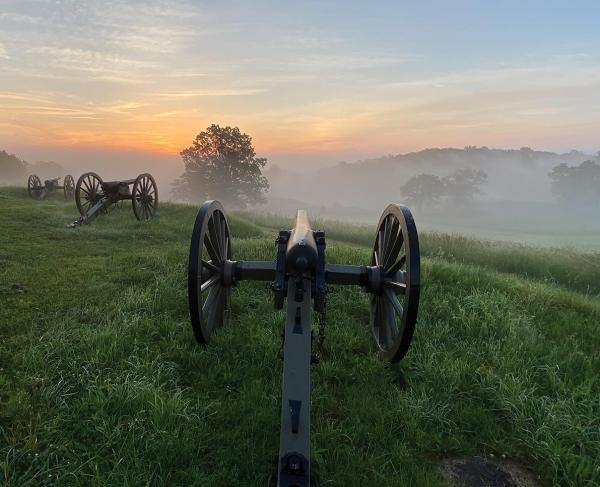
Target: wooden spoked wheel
(395, 304)
(210, 248)
(69, 186)
(144, 197)
(34, 187)
(88, 191)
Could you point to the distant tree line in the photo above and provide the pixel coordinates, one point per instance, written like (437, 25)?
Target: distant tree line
(14, 170)
(573, 186)
(426, 191)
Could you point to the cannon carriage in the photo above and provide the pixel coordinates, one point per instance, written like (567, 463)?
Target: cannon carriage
(300, 274)
(94, 196)
(39, 191)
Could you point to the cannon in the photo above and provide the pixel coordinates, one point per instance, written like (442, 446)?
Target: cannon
(94, 196)
(300, 274)
(39, 191)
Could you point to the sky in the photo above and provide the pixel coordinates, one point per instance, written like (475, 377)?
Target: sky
(311, 81)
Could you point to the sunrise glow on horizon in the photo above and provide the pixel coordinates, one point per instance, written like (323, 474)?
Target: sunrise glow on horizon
(300, 78)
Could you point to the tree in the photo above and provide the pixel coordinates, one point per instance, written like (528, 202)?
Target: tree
(576, 185)
(423, 191)
(462, 186)
(12, 169)
(222, 164)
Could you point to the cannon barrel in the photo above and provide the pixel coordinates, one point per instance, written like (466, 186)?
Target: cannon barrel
(301, 253)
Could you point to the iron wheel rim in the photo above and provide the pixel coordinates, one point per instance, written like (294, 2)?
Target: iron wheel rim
(210, 246)
(88, 191)
(144, 197)
(34, 187)
(394, 309)
(69, 186)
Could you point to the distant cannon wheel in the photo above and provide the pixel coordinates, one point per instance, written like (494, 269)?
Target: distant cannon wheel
(395, 303)
(35, 188)
(69, 186)
(144, 197)
(88, 191)
(208, 291)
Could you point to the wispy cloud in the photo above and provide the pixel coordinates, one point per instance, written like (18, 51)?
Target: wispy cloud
(212, 92)
(19, 18)
(88, 60)
(153, 72)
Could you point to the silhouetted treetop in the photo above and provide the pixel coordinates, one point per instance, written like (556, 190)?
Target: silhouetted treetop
(221, 164)
(422, 191)
(462, 186)
(12, 169)
(425, 191)
(577, 185)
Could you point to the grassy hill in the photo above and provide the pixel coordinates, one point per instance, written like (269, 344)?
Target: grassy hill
(101, 382)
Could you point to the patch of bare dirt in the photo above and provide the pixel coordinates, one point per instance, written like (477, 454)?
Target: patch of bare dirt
(484, 472)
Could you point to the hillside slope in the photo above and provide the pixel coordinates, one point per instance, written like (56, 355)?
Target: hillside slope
(101, 382)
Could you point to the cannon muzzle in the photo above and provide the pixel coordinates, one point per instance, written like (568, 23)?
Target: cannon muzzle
(301, 253)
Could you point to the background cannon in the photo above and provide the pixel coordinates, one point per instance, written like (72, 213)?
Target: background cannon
(93, 196)
(301, 275)
(39, 191)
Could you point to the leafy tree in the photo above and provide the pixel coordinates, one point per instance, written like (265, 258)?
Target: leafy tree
(222, 164)
(576, 185)
(12, 169)
(462, 186)
(422, 191)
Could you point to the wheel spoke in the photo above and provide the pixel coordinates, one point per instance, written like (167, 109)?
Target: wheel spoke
(386, 235)
(218, 241)
(389, 324)
(400, 287)
(210, 265)
(396, 267)
(214, 238)
(214, 256)
(393, 299)
(209, 302)
(214, 310)
(210, 282)
(393, 244)
(394, 330)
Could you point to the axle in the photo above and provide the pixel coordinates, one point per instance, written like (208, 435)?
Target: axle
(265, 270)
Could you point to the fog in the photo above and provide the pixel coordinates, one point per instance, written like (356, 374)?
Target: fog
(516, 202)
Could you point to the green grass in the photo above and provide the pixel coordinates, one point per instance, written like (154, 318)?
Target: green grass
(101, 382)
(571, 269)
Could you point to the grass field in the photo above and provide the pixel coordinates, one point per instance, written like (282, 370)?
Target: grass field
(101, 382)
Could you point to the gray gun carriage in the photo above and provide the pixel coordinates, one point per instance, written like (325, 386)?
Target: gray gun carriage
(94, 196)
(301, 275)
(39, 191)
